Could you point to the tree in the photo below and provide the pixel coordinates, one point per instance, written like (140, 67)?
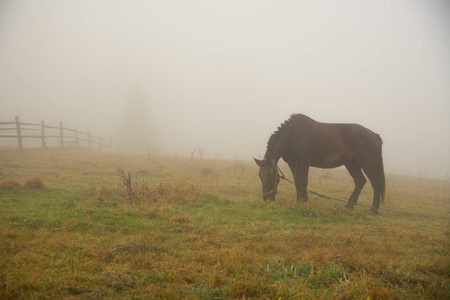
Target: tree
(137, 133)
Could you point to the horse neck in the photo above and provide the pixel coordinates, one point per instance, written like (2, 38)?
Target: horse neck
(275, 151)
(278, 143)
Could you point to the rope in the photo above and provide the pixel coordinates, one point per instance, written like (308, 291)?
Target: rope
(345, 201)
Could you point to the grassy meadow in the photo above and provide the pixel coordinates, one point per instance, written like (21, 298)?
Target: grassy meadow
(73, 227)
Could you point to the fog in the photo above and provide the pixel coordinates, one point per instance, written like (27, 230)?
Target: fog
(222, 75)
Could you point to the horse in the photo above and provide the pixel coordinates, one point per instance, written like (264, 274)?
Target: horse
(303, 142)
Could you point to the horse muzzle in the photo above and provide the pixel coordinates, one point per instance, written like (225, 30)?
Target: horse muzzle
(270, 195)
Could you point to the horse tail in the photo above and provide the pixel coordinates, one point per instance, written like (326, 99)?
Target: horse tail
(380, 171)
(382, 178)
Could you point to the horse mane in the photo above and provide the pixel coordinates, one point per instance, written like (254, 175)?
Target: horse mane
(276, 135)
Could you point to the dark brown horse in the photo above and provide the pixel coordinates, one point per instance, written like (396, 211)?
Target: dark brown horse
(303, 143)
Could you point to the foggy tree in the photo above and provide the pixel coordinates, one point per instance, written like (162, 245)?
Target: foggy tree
(137, 133)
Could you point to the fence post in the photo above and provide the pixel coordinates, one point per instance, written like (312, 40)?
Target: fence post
(19, 134)
(43, 134)
(76, 137)
(61, 140)
(89, 140)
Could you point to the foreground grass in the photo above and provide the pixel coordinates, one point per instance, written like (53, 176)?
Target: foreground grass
(200, 230)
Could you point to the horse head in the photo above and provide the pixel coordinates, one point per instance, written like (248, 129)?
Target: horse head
(270, 178)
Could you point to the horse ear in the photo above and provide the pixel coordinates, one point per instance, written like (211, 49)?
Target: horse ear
(258, 162)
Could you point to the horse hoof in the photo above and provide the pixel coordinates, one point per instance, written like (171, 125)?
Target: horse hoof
(373, 212)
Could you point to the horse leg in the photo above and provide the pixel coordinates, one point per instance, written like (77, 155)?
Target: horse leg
(302, 183)
(301, 180)
(376, 182)
(355, 171)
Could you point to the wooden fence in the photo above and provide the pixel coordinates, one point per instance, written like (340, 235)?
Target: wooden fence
(64, 136)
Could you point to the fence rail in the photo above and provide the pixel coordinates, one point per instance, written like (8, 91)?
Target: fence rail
(65, 136)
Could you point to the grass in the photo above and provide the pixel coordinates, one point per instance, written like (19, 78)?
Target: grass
(199, 229)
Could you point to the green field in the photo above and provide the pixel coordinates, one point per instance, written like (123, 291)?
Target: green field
(70, 228)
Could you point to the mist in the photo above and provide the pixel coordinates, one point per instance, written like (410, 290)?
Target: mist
(170, 76)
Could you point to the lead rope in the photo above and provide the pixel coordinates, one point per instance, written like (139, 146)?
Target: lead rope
(284, 177)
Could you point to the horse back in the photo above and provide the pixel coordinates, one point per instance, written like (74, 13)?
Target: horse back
(328, 145)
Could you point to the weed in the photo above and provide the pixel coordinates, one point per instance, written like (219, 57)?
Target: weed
(239, 167)
(131, 190)
(200, 152)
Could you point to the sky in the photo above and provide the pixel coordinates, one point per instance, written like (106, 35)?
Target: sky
(222, 75)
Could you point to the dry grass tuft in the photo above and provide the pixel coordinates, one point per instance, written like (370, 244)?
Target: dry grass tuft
(178, 192)
(35, 183)
(181, 219)
(10, 185)
(140, 192)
